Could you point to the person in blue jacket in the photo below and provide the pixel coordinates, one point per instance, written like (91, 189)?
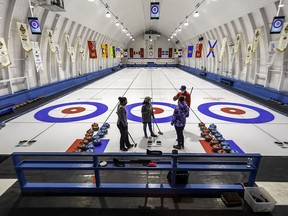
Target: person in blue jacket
(179, 121)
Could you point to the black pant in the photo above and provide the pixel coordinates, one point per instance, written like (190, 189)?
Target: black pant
(180, 136)
(149, 126)
(124, 139)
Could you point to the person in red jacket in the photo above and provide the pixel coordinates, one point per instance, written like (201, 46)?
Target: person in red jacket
(184, 93)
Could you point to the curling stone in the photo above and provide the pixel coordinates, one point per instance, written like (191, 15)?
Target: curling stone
(208, 138)
(101, 134)
(97, 142)
(107, 125)
(216, 147)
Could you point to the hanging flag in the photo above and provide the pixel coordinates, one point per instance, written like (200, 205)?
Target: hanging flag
(58, 54)
(67, 39)
(198, 53)
(224, 42)
(257, 33)
(170, 53)
(176, 53)
(4, 57)
(141, 52)
(248, 54)
(111, 51)
(106, 50)
(81, 49)
(25, 40)
(190, 51)
(179, 53)
(37, 56)
(51, 40)
(72, 54)
(131, 52)
(92, 49)
(271, 52)
(118, 52)
(237, 42)
(283, 40)
(212, 44)
(125, 53)
(159, 52)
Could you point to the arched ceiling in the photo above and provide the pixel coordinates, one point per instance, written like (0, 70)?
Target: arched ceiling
(135, 15)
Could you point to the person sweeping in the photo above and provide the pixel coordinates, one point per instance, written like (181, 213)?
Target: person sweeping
(147, 115)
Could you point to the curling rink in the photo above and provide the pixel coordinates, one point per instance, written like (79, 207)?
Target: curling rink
(55, 126)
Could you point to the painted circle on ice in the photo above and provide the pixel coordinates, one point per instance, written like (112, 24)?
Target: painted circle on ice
(232, 110)
(43, 115)
(154, 9)
(73, 110)
(264, 116)
(157, 110)
(133, 117)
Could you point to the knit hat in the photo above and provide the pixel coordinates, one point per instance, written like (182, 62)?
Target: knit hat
(183, 88)
(122, 99)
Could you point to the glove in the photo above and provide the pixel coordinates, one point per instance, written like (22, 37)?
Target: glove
(175, 98)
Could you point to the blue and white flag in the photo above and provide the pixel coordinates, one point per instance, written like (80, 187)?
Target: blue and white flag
(212, 44)
(190, 52)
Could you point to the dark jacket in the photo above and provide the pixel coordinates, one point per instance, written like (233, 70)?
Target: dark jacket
(146, 111)
(122, 115)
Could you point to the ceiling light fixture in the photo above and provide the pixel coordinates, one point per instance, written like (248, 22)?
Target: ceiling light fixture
(108, 15)
(186, 23)
(196, 14)
(117, 23)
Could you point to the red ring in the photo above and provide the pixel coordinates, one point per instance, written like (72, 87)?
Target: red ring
(157, 110)
(232, 110)
(73, 110)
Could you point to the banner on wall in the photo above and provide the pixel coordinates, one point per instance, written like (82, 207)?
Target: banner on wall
(58, 54)
(248, 54)
(72, 54)
(125, 53)
(4, 57)
(224, 42)
(237, 42)
(170, 53)
(176, 53)
(111, 51)
(256, 37)
(190, 51)
(37, 56)
(198, 53)
(23, 33)
(118, 52)
(271, 52)
(51, 40)
(212, 44)
(69, 47)
(104, 50)
(179, 53)
(81, 49)
(114, 51)
(283, 40)
(92, 49)
(159, 52)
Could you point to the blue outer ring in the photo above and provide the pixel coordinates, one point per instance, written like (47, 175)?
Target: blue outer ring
(264, 116)
(154, 6)
(43, 115)
(37, 24)
(278, 20)
(133, 117)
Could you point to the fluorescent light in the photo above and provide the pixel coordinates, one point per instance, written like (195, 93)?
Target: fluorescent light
(117, 23)
(133, 39)
(196, 14)
(186, 23)
(91, 0)
(150, 39)
(168, 39)
(179, 29)
(281, 5)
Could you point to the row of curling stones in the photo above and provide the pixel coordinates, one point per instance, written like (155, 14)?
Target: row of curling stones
(91, 139)
(217, 142)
